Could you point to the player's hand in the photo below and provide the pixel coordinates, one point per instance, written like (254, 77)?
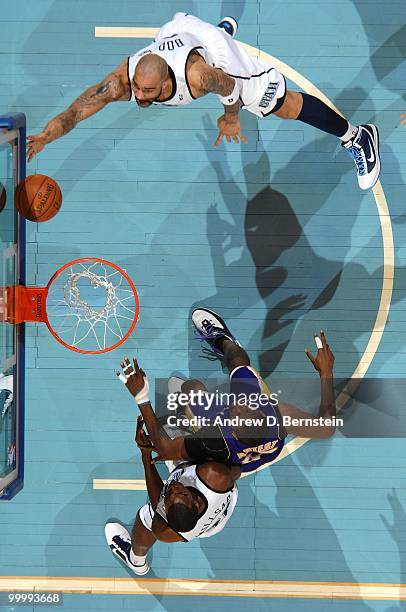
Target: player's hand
(324, 360)
(133, 377)
(142, 439)
(230, 128)
(35, 144)
(403, 117)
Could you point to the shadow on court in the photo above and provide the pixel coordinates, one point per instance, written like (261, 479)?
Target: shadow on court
(295, 540)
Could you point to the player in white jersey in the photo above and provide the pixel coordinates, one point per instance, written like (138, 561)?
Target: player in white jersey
(196, 501)
(191, 58)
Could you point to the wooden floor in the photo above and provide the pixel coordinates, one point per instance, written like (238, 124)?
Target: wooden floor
(245, 231)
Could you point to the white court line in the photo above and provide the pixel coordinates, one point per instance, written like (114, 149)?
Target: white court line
(108, 32)
(382, 209)
(332, 592)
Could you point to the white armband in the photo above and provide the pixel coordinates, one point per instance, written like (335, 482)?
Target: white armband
(233, 97)
(142, 396)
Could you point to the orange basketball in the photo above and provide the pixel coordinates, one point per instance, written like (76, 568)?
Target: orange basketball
(38, 198)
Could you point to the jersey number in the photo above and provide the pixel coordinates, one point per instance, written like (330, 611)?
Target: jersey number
(169, 45)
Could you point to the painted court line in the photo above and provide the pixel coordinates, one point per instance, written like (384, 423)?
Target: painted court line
(106, 483)
(205, 588)
(384, 218)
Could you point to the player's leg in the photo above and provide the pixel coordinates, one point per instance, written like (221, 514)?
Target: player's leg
(214, 330)
(132, 550)
(234, 356)
(361, 142)
(142, 539)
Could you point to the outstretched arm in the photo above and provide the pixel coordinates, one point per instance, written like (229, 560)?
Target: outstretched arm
(152, 478)
(137, 384)
(323, 364)
(112, 88)
(212, 80)
(207, 79)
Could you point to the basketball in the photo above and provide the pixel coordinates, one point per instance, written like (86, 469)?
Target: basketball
(3, 196)
(38, 198)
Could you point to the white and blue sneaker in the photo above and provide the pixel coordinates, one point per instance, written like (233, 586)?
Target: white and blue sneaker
(211, 328)
(364, 149)
(229, 24)
(119, 541)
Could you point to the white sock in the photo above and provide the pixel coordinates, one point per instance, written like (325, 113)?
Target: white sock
(136, 559)
(350, 133)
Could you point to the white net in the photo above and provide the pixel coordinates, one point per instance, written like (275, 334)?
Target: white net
(91, 306)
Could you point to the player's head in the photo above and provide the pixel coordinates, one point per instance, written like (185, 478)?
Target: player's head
(182, 507)
(246, 432)
(149, 77)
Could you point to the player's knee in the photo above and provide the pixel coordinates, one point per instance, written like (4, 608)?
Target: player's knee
(291, 106)
(237, 361)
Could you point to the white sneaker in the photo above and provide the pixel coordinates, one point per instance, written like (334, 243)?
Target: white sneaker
(229, 24)
(119, 541)
(211, 328)
(364, 150)
(175, 384)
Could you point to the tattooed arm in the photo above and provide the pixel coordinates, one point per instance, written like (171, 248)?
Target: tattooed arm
(206, 79)
(113, 88)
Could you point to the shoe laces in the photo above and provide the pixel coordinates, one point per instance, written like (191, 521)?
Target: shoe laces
(211, 331)
(211, 354)
(123, 544)
(357, 154)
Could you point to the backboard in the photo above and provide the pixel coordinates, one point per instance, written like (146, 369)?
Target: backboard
(12, 272)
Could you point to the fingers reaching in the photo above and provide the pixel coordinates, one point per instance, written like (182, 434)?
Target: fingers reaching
(128, 369)
(218, 140)
(122, 378)
(310, 356)
(324, 340)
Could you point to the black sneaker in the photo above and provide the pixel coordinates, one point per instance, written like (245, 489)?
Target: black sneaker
(211, 328)
(364, 149)
(229, 24)
(119, 541)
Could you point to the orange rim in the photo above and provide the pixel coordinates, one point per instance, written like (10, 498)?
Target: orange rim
(133, 289)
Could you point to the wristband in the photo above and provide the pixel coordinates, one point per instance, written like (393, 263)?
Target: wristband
(142, 396)
(233, 97)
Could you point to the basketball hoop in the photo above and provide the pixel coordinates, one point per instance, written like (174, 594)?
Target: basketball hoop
(90, 305)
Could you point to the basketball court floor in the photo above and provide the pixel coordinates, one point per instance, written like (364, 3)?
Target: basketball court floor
(275, 236)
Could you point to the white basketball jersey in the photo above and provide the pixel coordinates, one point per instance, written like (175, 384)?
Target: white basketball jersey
(175, 50)
(219, 506)
(178, 38)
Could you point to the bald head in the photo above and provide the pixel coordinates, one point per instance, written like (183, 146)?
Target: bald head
(149, 77)
(152, 66)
